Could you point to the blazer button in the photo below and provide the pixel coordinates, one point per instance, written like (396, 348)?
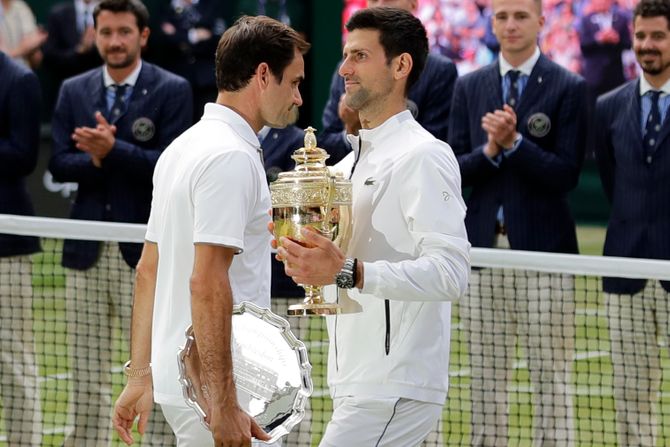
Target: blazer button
(649, 159)
(108, 207)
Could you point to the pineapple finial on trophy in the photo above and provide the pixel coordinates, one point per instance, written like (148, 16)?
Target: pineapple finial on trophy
(310, 156)
(310, 139)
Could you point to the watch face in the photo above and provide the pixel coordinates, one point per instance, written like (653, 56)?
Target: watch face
(344, 280)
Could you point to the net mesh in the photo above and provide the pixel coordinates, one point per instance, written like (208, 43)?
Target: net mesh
(540, 355)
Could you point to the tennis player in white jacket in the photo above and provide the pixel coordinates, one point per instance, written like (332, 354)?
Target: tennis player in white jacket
(409, 254)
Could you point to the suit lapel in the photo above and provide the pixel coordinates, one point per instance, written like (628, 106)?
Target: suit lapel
(97, 88)
(536, 83)
(492, 83)
(632, 120)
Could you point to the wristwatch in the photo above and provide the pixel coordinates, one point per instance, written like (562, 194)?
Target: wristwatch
(346, 278)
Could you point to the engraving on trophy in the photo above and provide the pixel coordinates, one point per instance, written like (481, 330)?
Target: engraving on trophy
(310, 196)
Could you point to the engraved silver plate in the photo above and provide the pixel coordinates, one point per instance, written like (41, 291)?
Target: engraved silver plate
(270, 368)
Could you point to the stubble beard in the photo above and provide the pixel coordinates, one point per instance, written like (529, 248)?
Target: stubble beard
(358, 100)
(655, 69)
(125, 62)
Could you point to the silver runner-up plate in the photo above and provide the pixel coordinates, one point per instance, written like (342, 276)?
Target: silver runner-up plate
(270, 369)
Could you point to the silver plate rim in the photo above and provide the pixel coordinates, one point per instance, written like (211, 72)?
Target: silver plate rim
(296, 345)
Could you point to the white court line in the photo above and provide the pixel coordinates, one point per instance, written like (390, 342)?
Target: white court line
(521, 364)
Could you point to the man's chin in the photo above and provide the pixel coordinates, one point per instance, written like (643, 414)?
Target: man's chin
(117, 65)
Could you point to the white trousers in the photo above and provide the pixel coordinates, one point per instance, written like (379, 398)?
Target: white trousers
(19, 388)
(96, 299)
(504, 307)
(189, 429)
(636, 322)
(378, 422)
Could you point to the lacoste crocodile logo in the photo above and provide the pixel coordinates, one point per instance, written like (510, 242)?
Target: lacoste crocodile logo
(370, 181)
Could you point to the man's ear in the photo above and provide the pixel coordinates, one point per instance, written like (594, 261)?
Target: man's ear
(263, 75)
(144, 37)
(402, 66)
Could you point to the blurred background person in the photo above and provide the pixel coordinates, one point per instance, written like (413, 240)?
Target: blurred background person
(70, 46)
(603, 37)
(188, 33)
(633, 153)
(20, 37)
(19, 142)
(518, 128)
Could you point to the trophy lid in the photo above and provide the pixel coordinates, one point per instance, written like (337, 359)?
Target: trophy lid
(310, 165)
(311, 182)
(310, 157)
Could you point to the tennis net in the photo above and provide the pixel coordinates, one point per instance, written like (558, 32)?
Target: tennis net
(540, 355)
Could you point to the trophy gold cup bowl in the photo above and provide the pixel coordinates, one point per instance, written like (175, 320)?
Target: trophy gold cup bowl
(310, 196)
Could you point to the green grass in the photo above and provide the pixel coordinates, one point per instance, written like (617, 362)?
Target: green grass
(591, 239)
(591, 375)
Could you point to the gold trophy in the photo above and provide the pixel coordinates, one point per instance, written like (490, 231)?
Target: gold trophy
(310, 196)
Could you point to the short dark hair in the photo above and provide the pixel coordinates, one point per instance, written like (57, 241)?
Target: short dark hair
(399, 32)
(250, 42)
(136, 7)
(652, 8)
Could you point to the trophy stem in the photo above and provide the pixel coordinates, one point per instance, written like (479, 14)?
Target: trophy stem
(313, 304)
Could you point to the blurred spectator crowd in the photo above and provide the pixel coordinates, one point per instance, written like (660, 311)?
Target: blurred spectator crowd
(461, 30)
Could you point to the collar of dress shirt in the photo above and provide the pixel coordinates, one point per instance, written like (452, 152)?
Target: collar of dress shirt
(525, 68)
(371, 135)
(645, 86)
(131, 80)
(215, 111)
(80, 8)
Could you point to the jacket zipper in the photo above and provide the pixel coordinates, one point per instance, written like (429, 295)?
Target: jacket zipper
(387, 341)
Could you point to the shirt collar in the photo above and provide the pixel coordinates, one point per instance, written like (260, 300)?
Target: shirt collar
(525, 68)
(389, 124)
(131, 80)
(215, 111)
(645, 86)
(79, 7)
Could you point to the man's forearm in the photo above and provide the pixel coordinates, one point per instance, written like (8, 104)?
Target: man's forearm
(143, 307)
(211, 312)
(211, 301)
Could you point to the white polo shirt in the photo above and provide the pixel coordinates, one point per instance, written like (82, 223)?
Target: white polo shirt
(209, 187)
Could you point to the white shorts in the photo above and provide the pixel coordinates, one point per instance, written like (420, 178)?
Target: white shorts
(372, 422)
(190, 431)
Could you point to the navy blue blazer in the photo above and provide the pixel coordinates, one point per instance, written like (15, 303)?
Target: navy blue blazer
(20, 102)
(278, 146)
(428, 99)
(533, 182)
(603, 67)
(637, 187)
(159, 109)
(60, 48)
(193, 61)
